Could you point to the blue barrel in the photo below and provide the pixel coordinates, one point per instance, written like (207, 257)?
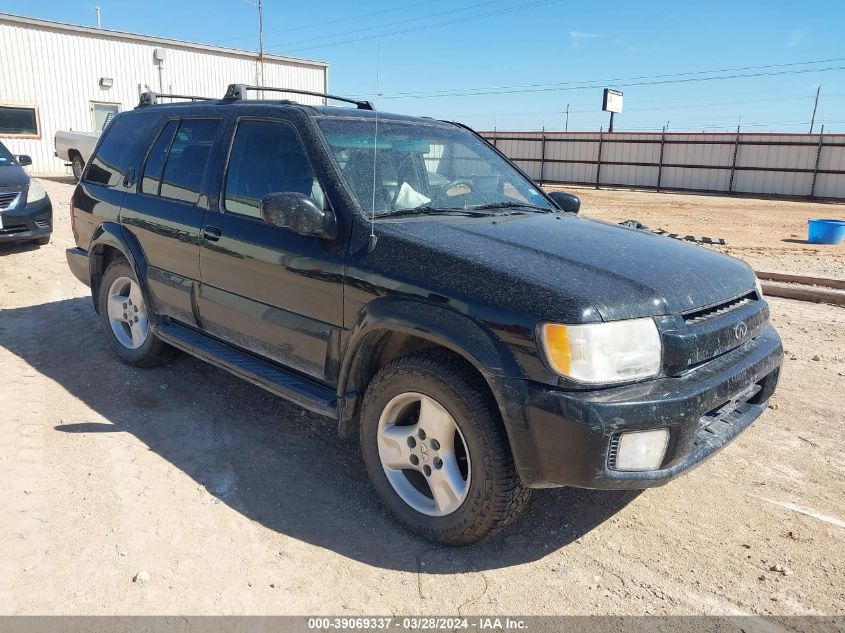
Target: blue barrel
(821, 231)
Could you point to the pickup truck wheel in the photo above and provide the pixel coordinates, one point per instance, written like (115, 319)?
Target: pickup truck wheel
(436, 451)
(126, 321)
(77, 165)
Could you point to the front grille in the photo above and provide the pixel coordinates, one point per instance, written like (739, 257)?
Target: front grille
(42, 224)
(9, 229)
(697, 316)
(7, 198)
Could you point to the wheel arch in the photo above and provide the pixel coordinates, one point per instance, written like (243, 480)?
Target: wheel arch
(109, 241)
(388, 328)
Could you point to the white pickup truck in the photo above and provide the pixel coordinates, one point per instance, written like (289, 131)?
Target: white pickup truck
(76, 148)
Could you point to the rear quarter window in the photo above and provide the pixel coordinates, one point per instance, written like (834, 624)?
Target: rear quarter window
(118, 147)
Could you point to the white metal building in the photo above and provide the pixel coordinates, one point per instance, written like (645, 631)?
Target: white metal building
(56, 76)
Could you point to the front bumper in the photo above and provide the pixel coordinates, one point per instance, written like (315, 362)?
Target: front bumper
(567, 437)
(27, 222)
(77, 261)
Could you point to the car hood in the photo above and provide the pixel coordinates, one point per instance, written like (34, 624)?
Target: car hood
(12, 176)
(562, 267)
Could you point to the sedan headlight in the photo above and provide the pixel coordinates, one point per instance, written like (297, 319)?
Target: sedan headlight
(36, 191)
(597, 353)
(759, 287)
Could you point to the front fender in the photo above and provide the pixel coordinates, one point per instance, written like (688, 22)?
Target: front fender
(457, 332)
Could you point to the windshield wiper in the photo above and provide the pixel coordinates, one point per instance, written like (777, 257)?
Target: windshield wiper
(427, 210)
(511, 205)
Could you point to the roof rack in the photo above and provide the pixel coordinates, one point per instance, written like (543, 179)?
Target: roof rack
(151, 98)
(237, 92)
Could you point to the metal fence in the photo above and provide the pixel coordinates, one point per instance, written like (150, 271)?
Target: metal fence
(790, 165)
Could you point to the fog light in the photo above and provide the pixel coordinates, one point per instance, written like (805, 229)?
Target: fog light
(642, 450)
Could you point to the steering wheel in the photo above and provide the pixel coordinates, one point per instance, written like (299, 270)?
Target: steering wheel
(466, 182)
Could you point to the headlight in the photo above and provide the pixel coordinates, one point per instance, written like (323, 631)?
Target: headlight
(36, 191)
(759, 287)
(603, 352)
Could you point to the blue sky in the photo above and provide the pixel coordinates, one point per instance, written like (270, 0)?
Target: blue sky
(517, 56)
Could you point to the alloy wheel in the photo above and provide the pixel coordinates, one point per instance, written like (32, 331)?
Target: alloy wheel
(424, 454)
(127, 313)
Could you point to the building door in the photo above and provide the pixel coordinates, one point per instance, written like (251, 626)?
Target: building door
(100, 113)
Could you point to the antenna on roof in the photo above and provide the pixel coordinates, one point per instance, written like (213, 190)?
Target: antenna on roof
(373, 238)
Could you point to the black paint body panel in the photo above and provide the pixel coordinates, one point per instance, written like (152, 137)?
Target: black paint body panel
(308, 307)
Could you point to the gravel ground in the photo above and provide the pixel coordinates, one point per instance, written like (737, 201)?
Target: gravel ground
(236, 502)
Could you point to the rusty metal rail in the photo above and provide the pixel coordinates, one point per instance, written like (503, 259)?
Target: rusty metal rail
(802, 288)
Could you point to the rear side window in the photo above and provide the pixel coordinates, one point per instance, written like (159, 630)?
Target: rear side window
(267, 157)
(186, 161)
(119, 145)
(151, 181)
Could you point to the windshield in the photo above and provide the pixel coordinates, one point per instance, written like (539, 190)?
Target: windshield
(426, 167)
(5, 157)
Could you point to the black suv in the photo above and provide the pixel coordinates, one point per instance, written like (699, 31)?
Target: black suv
(403, 277)
(26, 213)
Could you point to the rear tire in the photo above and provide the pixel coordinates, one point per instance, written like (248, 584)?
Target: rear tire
(77, 165)
(436, 450)
(126, 319)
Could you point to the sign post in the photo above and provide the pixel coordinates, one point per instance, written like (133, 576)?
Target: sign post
(611, 102)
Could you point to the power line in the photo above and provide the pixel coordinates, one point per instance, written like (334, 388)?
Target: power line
(650, 109)
(389, 24)
(590, 83)
(521, 7)
(656, 108)
(593, 86)
(349, 18)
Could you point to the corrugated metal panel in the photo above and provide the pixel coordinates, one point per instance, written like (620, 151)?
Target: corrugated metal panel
(59, 71)
(768, 164)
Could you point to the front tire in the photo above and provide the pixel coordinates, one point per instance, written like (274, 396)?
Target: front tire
(126, 320)
(436, 451)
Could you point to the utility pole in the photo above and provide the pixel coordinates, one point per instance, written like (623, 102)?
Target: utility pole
(566, 125)
(261, 40)
(259, 73)
(815, 107)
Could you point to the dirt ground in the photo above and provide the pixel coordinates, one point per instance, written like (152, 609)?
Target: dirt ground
(236, 502)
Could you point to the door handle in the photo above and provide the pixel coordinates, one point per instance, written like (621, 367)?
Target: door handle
(211, 233)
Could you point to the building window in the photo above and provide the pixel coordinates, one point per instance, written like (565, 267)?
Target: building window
(18, 120)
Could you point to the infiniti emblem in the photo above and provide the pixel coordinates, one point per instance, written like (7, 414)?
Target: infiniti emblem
(740, 330)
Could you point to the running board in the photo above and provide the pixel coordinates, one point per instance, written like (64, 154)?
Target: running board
(306, 393)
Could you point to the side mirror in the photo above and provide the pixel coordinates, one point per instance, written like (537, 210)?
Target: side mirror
(299, 213)
(24, 160)
(568, 202)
